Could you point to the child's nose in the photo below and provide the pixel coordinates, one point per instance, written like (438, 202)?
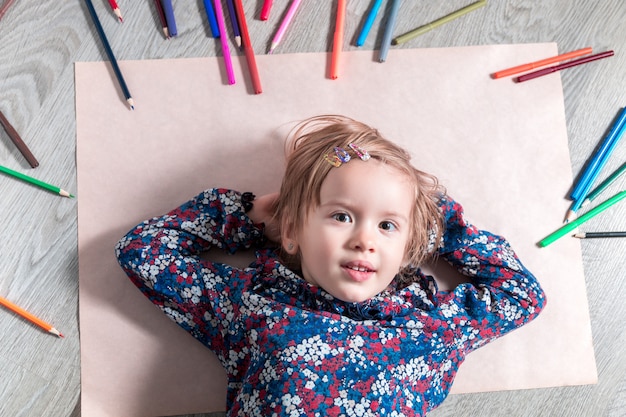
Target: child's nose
(363, 240)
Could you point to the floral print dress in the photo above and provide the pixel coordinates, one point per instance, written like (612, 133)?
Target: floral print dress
(291, 349)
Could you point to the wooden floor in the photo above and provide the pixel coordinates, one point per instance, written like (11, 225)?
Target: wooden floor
(41, 40)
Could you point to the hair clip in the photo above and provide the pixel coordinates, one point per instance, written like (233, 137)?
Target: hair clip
(341, 156)
(360, 152)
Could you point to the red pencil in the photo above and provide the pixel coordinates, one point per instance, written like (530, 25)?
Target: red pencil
(116, 10)
(565, 65)
(265, 11)
(247, 48)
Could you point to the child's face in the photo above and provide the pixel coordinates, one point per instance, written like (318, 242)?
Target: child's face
(354, 243)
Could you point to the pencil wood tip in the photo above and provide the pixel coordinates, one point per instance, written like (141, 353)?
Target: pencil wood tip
(571, 215)
(579, 235)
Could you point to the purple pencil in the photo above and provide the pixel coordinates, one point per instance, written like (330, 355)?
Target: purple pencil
(233, 21)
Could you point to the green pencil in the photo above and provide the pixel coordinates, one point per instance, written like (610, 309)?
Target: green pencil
(35, 181)
(575, 223)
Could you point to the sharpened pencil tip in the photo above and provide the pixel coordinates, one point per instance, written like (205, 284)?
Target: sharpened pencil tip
(571, 215)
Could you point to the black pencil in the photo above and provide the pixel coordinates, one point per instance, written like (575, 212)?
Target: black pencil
(599, 235)
(107, 48)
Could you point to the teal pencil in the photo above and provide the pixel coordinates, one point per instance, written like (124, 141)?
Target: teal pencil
(604, 185)
(575, 223)
(35, 181)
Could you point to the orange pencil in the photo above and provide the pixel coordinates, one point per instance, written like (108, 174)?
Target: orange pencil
(338, 39)
(30, 317)
(541, 63)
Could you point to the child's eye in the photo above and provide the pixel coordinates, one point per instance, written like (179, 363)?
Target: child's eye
(388, 226)
(342, 217)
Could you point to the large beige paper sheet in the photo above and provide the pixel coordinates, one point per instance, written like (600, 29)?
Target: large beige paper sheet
(499, 147)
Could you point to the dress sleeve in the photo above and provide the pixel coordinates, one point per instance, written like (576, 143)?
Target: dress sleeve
(501, 294)
(162, 258)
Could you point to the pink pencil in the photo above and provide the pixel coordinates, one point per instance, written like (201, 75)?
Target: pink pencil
(5, 7)
(285, 23)
(221, 24)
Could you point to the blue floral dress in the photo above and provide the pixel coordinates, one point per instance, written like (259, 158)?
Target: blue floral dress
(291, 349)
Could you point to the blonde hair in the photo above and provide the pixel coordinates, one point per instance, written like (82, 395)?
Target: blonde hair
(307, 169)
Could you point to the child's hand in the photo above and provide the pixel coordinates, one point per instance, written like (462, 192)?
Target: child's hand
(262, 211)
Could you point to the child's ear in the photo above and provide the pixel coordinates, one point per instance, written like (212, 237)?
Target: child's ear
(288, 239)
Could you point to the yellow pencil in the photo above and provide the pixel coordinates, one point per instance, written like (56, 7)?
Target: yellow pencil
(35, 320)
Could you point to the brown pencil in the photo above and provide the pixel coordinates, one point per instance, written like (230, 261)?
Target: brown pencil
(17, 140)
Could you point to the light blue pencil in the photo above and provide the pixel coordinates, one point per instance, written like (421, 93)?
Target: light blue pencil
(369, 22)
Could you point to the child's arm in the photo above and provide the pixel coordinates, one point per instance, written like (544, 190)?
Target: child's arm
(161, 257)
(502, 294)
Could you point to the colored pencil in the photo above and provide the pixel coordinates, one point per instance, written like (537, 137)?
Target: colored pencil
(35, 181)
(338, 39)
(284, 24)
(5, 7)
(109, 52)
(247, 48)
(30, 317)
(17, 140)
(607, 144)
(565, 65)
(604, 185)
(161, 14)
(210, 15)
(563, 230)
(265, 11)
(369, 21)
(116, 10)
(432, 25)
(541, 63)
(168, 10)
(388, 33)
(232, 14)
(228, 64)
(596, 235)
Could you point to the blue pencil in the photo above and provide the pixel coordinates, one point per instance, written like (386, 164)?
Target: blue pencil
(109, 52)
(210, 14)
(168, 9)
(391, 23)
(605, 149)
(604, 157)
(368, 22)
